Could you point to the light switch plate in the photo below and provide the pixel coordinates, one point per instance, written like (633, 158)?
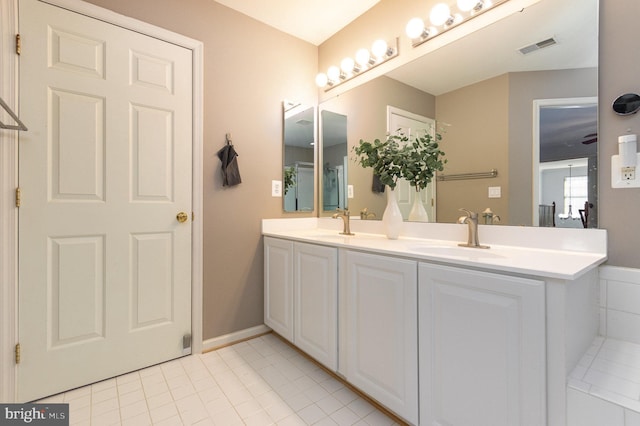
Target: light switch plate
(617, 180)
(349, 191)
(495, 192)
(276, 188)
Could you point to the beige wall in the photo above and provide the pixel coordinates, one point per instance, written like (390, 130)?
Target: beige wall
(249, 69)
(619, 67)
(524, 87)
(476, 140)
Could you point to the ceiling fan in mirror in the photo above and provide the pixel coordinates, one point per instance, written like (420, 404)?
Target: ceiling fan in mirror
(590, 138)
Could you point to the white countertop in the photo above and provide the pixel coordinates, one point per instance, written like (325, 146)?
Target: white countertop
(533, 257)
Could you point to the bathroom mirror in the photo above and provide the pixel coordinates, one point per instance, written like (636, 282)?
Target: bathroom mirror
(298, 157)
(484, 107)
(627, 104)
(333, 160)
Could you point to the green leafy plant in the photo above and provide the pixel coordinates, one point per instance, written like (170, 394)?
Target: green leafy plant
(398, 157)
(385, 157)
(423, 158)
(289, 178)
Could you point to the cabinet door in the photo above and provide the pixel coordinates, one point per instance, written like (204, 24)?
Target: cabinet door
(379, 329)
(482, 348)
(316, 302)
(278, 286)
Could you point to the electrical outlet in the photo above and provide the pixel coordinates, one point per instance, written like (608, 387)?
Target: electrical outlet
(349, 191)
(623, 177)
(628, 173)
(495, 192)
(276, 188)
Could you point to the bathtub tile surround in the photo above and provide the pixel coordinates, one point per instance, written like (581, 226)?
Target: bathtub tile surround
(620, 303)
(604, 388)
(262, 381)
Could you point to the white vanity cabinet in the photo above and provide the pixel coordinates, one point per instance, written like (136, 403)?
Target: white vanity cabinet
(378, 329)
(278, 286)
(316, 302)
(300, 296)
(482, 348)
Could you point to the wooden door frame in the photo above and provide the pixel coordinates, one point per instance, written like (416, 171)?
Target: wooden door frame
(9, 177)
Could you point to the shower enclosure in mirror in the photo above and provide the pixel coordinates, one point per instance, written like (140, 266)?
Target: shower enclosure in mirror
(298, 157)
(486, 109)
(334, 160)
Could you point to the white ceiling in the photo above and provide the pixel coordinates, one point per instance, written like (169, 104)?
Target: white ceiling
(310, 20)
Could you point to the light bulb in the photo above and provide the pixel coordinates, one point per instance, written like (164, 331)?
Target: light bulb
(321, 79)
(467, 5)
(333, 73)
(379, 49)
(347, 65)
(362, 57)
(439, 14)
(457, 18)
(415, 28)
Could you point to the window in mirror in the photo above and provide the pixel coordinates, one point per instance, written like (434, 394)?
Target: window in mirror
(299, 151)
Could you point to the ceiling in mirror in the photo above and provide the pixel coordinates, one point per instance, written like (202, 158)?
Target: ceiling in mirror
(496, 49)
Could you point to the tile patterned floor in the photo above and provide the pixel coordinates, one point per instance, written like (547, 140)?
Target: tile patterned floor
(610, 370)
(259, 382)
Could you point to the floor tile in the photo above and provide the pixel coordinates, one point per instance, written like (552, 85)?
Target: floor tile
(260, 382)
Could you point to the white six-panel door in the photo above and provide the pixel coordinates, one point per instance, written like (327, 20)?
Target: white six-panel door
(104, 265)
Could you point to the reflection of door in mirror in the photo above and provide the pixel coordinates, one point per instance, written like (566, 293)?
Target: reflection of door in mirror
(411, 125)
(334, 160)
(299, 151)
(566, 168)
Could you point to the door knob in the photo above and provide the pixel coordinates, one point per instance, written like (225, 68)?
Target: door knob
(182, 217)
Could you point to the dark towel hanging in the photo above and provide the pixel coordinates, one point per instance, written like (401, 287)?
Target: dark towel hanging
(229, 158)
(377, 186)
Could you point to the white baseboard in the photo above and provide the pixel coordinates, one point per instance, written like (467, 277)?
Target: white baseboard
(228, 339)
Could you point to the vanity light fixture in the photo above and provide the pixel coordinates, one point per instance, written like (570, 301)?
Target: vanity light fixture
(441, 15)
(443, 20)
(473, 5)
(365, 60)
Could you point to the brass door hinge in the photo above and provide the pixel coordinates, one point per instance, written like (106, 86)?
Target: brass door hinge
(18, 197)
(18, 353)
(18, 44)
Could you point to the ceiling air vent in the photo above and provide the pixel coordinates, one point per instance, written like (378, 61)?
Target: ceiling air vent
(537, 46)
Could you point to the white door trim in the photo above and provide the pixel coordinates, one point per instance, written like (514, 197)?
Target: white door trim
(537, 105)
(8, 211)
(9, 179)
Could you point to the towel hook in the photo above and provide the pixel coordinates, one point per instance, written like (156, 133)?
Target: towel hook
(228, 138)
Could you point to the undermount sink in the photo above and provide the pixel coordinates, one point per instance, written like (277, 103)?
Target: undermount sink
(456, 251)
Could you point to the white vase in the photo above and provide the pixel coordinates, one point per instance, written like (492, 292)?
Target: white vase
(418, 212)
(392, 216)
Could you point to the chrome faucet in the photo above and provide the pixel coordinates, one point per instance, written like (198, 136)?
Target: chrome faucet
(471, 219)
(344, 214)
